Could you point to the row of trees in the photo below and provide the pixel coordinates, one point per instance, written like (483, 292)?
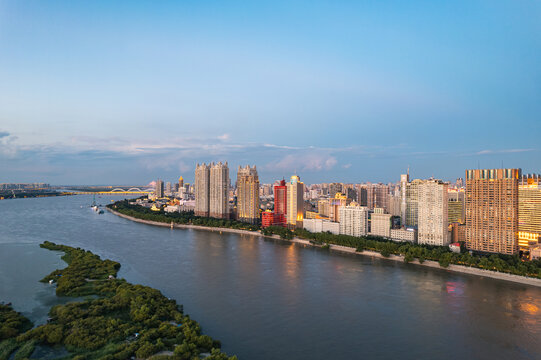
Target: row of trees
(121, 320)
(495, 262)
(186, 217)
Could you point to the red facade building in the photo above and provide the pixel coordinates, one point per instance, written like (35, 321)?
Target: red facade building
(267, 219)
(280, 204)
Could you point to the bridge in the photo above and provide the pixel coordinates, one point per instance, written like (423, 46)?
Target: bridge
(119, 191)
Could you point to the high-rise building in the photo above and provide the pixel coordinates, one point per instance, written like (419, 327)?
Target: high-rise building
(380, 195)
(295, 202)
(219, 191)
(529, 211)
(248, 194)
(159, 188)
(412, 203)
(335, 204)
(404, 181)
(492, 210)
(353, 220)
(280, 203)
(362, 195)
(432, 213)
(180, 182)
(335, 188)
(380, 223)
(202, 190)
(395, 205)
(168, 188)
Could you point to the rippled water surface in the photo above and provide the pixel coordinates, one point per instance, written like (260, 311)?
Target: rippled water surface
(268, 299)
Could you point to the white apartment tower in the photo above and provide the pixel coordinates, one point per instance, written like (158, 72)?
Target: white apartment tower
(404, 180)
(353, 220)
(432, 213)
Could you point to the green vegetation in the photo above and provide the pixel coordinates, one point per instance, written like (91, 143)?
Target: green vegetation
(12, 323)
(121, 321)
(495, 262)
(187, 218)
(18, 194)
(7, 347)
(442, 254)
(25, 350)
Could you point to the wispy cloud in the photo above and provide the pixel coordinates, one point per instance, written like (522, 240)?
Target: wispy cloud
(505, 151)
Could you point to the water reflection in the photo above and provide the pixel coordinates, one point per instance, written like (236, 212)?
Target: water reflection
(267, 299)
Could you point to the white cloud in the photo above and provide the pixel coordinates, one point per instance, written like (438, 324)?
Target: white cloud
(303, 161)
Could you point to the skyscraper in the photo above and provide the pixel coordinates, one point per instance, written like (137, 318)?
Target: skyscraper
(219, 191)
(412, 203)
(202, 190)
(248, 194)
(529, 211)
(280, 203)
(180, 182)
(295, 202)
(432, 213)
(159, 188)
(404, 180)
(492, 210)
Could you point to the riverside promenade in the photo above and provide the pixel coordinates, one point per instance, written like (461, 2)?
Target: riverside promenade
(345, 249)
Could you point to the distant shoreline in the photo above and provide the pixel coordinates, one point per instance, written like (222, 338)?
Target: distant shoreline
(9, 196)
(349, 250)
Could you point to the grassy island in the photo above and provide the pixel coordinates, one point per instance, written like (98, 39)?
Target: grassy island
(493, 262)
(118, 320)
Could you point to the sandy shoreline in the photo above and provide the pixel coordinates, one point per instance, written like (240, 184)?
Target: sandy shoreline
(344, 249)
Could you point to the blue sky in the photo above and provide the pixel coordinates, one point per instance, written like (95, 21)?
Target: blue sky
(124, 92)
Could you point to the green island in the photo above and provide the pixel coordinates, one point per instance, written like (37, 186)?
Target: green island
(494, 262)
(117, 320)
(5, 195)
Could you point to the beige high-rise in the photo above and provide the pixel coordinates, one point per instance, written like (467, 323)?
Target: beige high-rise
(202, 190)
(432, 213)
(219, 191)
(295, 202)
(247, 194)
(529, 211)
(492, 210)
(380, 223)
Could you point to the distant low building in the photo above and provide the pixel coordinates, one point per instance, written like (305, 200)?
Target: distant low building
(404, 234)
(320, 225)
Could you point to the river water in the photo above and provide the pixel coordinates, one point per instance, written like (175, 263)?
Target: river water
(267, 299)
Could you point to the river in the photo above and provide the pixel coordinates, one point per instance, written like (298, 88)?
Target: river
(267, 299)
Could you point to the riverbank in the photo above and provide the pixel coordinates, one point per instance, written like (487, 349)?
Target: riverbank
(344, 249)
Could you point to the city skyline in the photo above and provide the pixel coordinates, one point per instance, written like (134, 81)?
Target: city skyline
(108, 93)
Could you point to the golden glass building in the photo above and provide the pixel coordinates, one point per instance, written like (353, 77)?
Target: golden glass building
(295, 202)
(248, 194)
(492, 210)
(529, 211)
